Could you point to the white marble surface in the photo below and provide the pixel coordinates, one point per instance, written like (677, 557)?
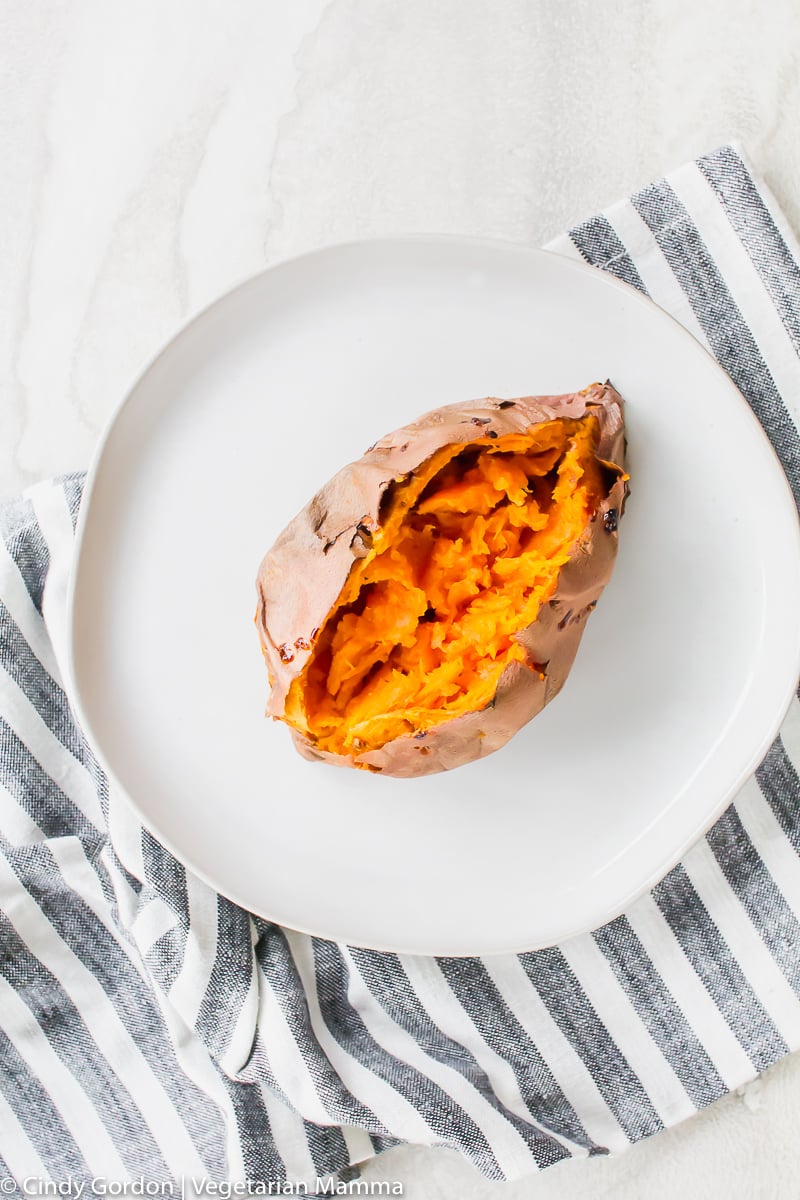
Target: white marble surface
(154, 153)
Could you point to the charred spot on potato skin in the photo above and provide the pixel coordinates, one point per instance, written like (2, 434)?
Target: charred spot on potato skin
(611, 520)
(286, 653)
(492, 433)
(507, 404)
(315, 633)
(418, 737)
(301, 644)
(565, 620)
(480, 420)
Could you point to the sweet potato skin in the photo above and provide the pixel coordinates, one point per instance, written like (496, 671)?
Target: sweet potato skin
(302, 575)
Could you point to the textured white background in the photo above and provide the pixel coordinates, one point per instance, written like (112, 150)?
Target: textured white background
(153, 153)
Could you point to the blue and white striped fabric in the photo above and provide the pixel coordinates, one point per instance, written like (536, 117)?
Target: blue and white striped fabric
(149, 1027)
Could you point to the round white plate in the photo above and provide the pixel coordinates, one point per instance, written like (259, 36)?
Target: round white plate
(680, 683)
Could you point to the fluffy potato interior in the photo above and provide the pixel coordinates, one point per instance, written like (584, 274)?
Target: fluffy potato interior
(469, 547)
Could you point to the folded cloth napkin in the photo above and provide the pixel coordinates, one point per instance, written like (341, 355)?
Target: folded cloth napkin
(149, 1027)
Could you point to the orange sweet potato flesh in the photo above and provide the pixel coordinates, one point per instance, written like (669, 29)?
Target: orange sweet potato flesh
(445, 581)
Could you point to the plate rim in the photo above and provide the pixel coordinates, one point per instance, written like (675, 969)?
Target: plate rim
(420, 239)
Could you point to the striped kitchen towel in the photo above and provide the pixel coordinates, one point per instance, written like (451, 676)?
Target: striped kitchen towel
(150, 1029)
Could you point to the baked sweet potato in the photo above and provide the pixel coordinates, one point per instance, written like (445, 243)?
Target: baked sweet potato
(430, 599)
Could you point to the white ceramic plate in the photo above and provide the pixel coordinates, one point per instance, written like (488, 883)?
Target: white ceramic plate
(680, 683)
